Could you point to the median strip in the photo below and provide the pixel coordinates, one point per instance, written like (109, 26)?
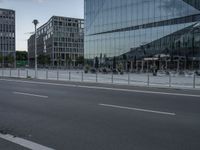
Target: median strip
(28, 94)
(138, 109)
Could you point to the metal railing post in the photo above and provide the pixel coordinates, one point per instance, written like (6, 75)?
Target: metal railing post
(148, 80)
(112, 79)
(170, 80)
(69, 76)
(82, 77)
(47, 74)
(57, 74)
(3, 72)
(96, 77)
(194, 81)
(26, 73)
(10, 72)
(18, 73)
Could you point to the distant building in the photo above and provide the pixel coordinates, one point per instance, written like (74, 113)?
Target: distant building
(60, 42)
(7, 37)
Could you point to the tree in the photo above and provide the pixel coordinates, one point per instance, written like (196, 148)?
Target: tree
(21, 55)
(80, 60)
(41, 60)
(47, 60)
(9, 60)
(1, 59)
(44, 59)
(68, 60)
(58, 61)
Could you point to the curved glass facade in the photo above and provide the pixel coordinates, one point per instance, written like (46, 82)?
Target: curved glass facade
(141, 28)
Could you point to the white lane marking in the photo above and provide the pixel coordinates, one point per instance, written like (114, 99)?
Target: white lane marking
(103, 88)
(138, 109)
(24, 143)
(28, 94)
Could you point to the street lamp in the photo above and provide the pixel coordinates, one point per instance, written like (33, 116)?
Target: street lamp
(35, 22)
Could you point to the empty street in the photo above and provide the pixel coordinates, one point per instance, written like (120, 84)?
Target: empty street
(55, 115)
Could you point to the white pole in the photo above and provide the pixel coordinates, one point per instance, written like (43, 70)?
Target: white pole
(35, 22)
(35, 51)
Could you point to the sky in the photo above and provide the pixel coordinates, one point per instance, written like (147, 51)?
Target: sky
(42, 10)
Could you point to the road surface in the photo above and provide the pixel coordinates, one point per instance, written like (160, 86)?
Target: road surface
(56, 115)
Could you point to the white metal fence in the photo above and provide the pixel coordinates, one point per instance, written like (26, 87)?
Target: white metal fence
(142, 79)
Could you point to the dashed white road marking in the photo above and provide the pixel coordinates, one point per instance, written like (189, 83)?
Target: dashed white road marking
(103, 88)
(138, 109)
(24, 143)
(28, 94)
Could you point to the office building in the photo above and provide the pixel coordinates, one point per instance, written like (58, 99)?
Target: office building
(60, 42)
(143, 31)
(7, 38)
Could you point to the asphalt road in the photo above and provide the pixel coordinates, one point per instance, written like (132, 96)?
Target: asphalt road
(80, 116)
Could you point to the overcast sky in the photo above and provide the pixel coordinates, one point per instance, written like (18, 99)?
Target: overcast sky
(27, 10)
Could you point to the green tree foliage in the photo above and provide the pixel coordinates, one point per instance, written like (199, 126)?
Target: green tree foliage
(21, 56)
(80, 60)
(43, 60)
(1, 59)
(68, 60)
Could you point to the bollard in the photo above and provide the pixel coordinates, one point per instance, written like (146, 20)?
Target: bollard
(3, 73)
(10, 72)
(148, 80)
(47, 74)
(170, 80)
(18, 73)
(128, 78)
(26, 73)
(69, 76)
(57, 74)
(82, 77)
(194, 81)
(112, 80)
(96, 77)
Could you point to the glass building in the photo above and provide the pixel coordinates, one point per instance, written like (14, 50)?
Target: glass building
(136, 30)
(7, 37)
(60, 42)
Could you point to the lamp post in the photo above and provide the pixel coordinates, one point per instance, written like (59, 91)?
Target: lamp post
(35, 22)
